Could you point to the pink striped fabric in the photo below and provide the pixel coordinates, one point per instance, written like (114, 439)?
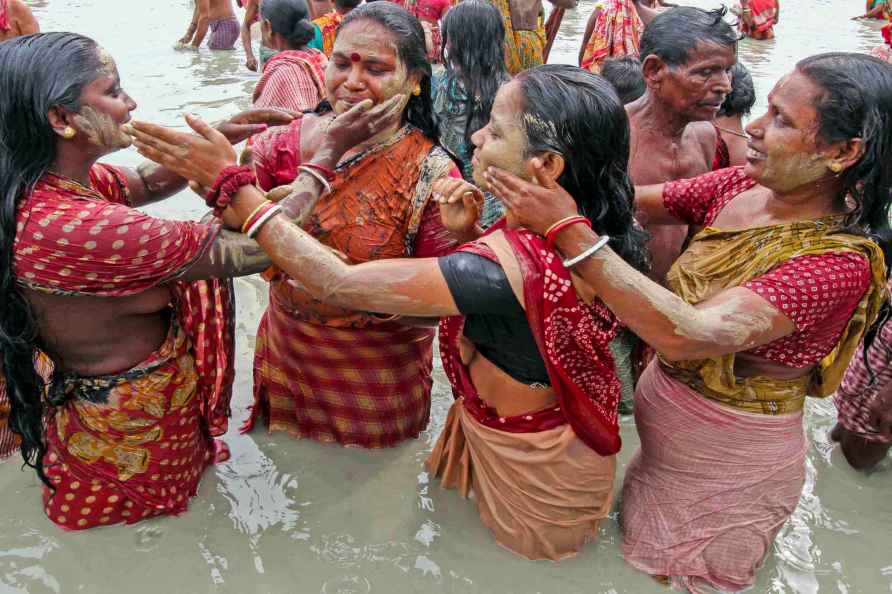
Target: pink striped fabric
(709, 488)
(856, 395)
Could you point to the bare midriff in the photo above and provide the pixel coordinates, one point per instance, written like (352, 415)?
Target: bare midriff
(746, 365)
(220, 9)
(101, 335)
(505, 394)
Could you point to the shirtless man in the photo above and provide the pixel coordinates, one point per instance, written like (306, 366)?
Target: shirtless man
(16, 19)
(686, 56)
(219, 17)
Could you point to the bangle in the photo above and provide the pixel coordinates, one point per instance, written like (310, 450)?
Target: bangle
(563, 224)
(252, 218)
(317, 176)
(262, 220)
(328, 173)
(568, 264)
(227, 184)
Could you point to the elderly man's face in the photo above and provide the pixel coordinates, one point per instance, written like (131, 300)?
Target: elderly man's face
(697, 88)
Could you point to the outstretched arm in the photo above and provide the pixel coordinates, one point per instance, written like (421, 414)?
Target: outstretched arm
(734, 320)
(150, 182)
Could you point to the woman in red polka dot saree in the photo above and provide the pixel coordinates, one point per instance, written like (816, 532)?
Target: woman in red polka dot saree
(116, 328)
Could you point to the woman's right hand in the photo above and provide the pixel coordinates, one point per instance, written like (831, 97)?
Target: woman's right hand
(357, 125)
(460, 203)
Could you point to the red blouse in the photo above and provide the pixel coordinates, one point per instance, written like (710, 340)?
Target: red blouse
(817, 293)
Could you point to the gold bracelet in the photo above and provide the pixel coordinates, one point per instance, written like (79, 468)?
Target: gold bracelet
(556, 223)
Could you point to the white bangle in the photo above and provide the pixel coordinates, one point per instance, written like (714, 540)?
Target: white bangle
(587, 253)
(317, 176)
(259, 223)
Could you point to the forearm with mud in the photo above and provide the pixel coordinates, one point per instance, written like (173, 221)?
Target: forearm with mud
(665, 321)
(383, 286)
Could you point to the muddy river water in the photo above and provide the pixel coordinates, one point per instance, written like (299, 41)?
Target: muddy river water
(300, 517)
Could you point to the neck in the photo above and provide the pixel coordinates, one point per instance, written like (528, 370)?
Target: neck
(73, 167)
(660, 119)
(376, 139)
(813, 200)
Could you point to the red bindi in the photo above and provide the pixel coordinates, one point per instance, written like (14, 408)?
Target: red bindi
(354, 57)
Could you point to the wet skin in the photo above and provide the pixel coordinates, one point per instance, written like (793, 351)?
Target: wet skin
(672, 136)
(101, 335)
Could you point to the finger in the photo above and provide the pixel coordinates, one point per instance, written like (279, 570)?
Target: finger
(469, 200)
(151, 153)
(508, 180)
(168, 135)
(204, 129)
(388, 110)
(149, 140)
(352, 114)
(537, 168)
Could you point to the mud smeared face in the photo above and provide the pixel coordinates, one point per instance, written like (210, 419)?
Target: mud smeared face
(365, 64)
(105, 108)
(502, 142)
(784, 151)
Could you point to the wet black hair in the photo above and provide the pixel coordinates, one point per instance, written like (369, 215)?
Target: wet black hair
(290, 19)
(742, 97)
(37, 73)
(674, 33)
(857, 103)
(577, 114)
(412, 49)
(624, 73)
(475, 33)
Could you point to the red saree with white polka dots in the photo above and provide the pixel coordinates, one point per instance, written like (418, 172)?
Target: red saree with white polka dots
(134, 444)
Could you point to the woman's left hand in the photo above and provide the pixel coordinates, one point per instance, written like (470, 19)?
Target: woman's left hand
(247, 123)
(198, 158)
(535, 206)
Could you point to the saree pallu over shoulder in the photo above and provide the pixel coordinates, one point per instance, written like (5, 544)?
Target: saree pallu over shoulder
(573, 338)
(717, 260)
(374, 211)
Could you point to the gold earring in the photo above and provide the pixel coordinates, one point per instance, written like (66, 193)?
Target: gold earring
(417, 91)
(69, 132)
(835, 167)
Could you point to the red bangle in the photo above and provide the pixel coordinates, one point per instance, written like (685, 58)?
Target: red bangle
(328, 173)
(255, 216)
(227, 185)
(561, 225)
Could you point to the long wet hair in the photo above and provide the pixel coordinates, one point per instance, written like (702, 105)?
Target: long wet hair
(409, 38)
(857, 103)
(290, 19)
(474, 32)
(37, 73)
(577, 114)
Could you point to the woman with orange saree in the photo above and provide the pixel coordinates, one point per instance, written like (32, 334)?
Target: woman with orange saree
(115, 328)
(534, 429)
(342, 374)
(766, 306)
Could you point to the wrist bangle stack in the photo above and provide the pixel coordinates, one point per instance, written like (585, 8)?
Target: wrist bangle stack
(562, 224)
(570, 263)
(317, 176)
(261, 215)
(227, 185)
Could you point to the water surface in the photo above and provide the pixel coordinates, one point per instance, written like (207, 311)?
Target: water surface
(288, 516)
